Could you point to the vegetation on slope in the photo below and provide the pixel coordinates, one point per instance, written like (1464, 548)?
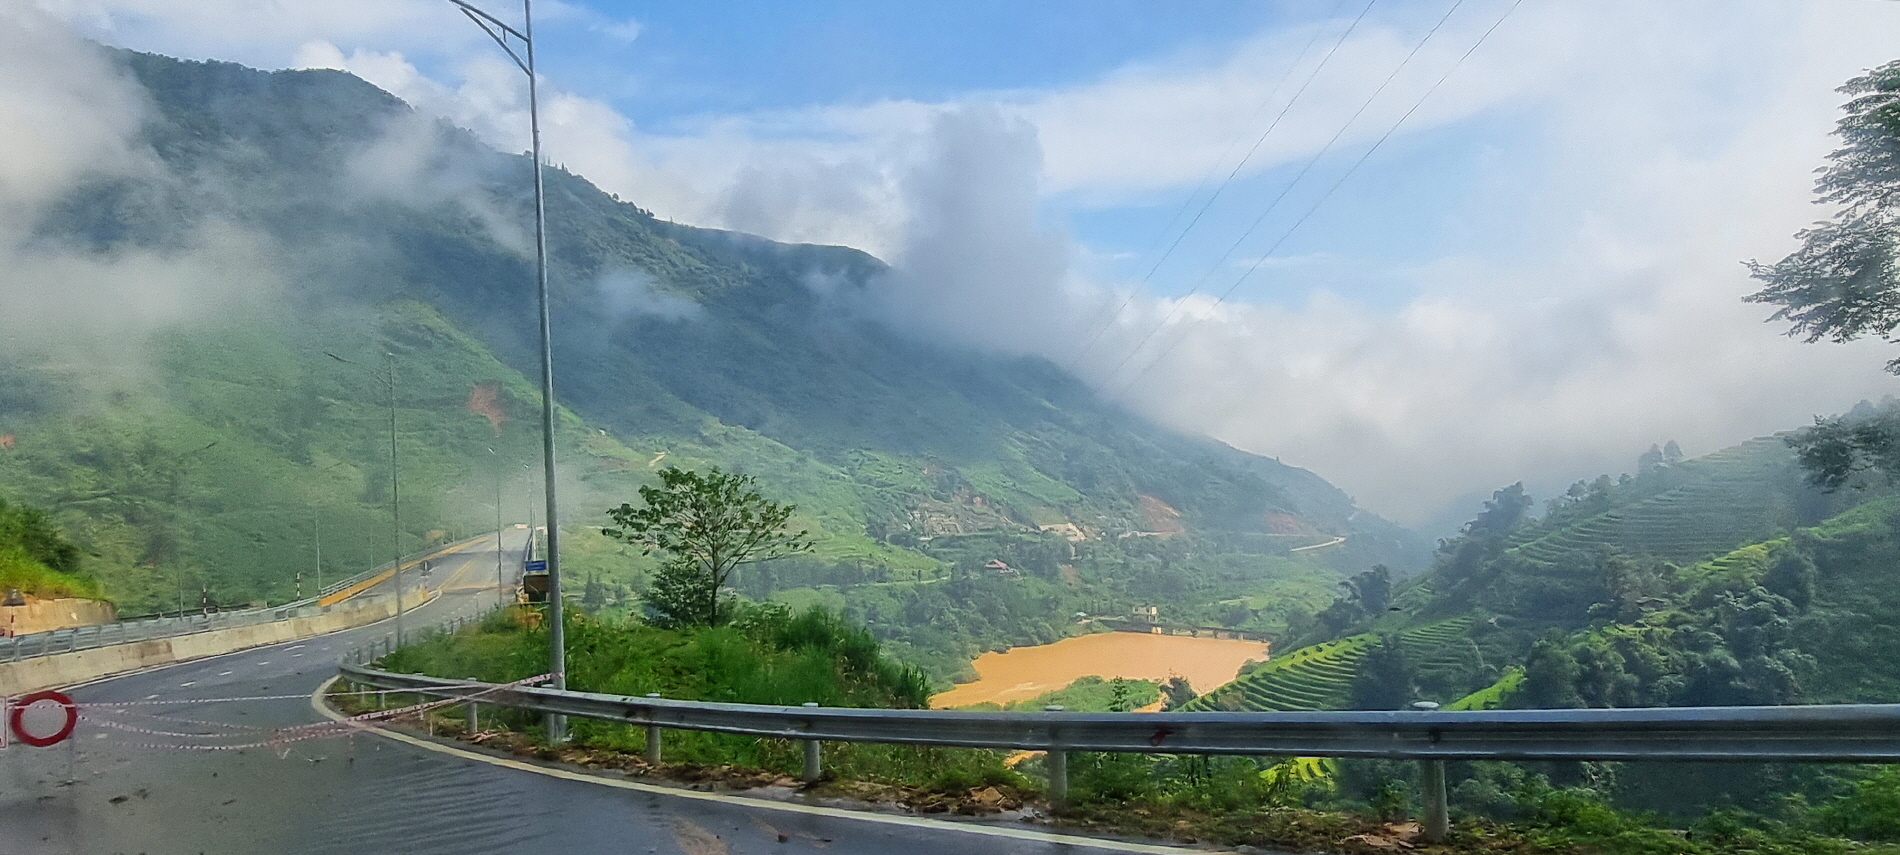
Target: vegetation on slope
(766, 655)
(1565, 611)
(35, 560)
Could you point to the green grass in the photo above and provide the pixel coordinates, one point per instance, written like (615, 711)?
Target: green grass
(1493, 696)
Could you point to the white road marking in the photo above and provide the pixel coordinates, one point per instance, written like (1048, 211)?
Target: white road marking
(187, 684)
(224, 673)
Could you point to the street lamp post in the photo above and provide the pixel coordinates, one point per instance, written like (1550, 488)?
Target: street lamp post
(501, 577)
(501, 33)
(395, 496)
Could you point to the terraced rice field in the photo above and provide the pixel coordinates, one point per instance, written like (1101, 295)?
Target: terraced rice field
(1721, 501)
(1320, 676)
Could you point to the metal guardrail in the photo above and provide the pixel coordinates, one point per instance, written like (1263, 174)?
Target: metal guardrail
(1859, 733)
(1853, 733)
(70, 639)
(373, 646)
(74, 638)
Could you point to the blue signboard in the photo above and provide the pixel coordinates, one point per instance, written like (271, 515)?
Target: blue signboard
(537, 567)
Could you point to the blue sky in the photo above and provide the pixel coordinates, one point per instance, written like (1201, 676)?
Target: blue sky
(695, 58)
(1535, 276)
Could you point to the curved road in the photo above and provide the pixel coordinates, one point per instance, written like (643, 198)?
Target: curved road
(116, 790)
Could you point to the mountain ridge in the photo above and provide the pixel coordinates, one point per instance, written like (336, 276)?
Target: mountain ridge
(246, 449)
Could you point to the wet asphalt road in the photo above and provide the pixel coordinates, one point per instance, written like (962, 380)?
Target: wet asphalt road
(122, 786)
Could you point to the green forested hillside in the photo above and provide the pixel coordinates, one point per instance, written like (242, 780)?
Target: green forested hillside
(1725, 579)
(225, 462)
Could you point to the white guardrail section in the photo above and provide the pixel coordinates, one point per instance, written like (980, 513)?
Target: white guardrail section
(1855, 733)
(74, 638)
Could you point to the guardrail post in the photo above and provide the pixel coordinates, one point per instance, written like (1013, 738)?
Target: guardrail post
(1431, 783)
(653, 738)
(474, 715)
(1057, 763)
(813, 768)
(1437, 816)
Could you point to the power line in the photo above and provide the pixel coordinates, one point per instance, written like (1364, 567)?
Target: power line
(1329, 191)
(1185, 203)
(1287, 188)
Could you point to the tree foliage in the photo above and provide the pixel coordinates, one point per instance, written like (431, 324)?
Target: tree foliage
(35, 559)
(28, 530)
(1837, 449)
(1843, 283)
(705, 525)
(1385, 680)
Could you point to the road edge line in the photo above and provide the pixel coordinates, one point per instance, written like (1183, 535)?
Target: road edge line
(317, 703)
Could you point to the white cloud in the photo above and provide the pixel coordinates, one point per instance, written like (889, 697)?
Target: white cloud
(629, 293)
(1157, 126)
(68, 115)
(1618, 326)
(1585, 302)
(622, 30)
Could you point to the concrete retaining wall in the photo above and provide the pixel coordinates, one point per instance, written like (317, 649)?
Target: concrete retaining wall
(65, 669)
(43, 615)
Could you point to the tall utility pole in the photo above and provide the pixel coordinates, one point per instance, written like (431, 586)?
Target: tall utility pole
(501, 577)
(395, 497)
(557, 631)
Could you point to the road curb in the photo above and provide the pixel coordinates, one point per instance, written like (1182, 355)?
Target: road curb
(323, 708)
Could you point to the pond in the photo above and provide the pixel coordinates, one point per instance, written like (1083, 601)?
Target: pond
(1025, 672)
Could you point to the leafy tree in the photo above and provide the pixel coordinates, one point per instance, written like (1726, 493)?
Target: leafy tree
(1550, 677)
(1501, 513)
(1836, 449)
(1175, 692)
(1792, 576)
(1843, 283)
(594, 596)
(1366, 597)
(1385, 680)
(705, 525)
(1632, 586)
(29, 531)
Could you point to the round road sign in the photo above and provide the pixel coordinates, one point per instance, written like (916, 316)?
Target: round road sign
(16, 719)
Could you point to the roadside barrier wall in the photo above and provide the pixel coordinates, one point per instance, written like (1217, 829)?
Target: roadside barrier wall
(66, 669)
(42, 615)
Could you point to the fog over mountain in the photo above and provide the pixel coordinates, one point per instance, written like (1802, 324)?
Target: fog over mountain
(1536, 277)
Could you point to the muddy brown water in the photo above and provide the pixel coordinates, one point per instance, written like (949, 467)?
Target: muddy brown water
(1025, 672)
